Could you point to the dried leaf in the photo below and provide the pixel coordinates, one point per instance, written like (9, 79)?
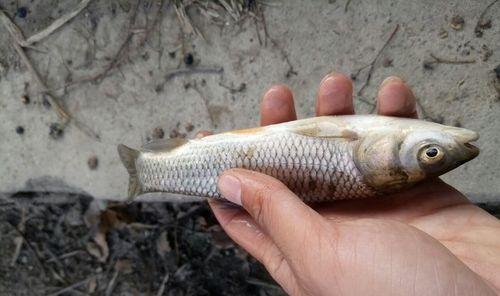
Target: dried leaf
(92, 285)
(99, 247)
(162, 244)
(124, 266)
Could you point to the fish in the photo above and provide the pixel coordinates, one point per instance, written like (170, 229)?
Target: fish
(319, 159)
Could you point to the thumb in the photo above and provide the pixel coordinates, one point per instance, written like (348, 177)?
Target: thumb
(278, 211)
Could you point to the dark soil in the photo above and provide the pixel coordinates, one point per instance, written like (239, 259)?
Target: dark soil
(179, 245)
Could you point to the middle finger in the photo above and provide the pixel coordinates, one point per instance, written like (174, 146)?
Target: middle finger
(335, 96)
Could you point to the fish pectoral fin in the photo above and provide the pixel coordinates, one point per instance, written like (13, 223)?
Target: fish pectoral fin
(326, 131)
(164, 144)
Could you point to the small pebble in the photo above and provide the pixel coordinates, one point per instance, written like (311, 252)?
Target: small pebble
(22, 12)
(56, 130)
(481, 26)
(497, 72)
(457, 22)
(486, 53)
(158, 133)
(188, 59)
(176, 134)
(25, 99)
(428, 65)
(92, 162)
(387, 62)
(465, 52)
(46, 103)
(443, 34)
(485, 24)
(159, 88)
(189, 127)
(20, 130)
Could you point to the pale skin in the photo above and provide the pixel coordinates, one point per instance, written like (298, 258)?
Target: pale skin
(429, 240)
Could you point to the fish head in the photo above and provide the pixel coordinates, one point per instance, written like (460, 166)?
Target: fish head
(401, 157)
(432, 152)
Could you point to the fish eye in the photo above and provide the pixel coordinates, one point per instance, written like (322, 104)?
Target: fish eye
(431, 154)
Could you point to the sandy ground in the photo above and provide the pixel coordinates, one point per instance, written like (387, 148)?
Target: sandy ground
(134, 56)
(128, 72)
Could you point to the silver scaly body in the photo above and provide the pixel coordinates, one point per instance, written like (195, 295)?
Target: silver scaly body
(316, 169)
(320, 159)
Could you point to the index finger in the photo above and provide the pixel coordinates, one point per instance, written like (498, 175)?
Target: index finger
(335, 95)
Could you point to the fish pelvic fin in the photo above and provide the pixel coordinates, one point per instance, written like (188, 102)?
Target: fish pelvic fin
(128, 157)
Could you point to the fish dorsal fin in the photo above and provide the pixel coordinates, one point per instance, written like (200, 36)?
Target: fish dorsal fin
(164, 144)
(325, 130)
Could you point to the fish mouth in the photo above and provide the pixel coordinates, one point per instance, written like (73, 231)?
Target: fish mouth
(464, 138)
(470, 150)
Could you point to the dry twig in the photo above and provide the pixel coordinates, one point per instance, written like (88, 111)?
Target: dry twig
(32, 250)
(372, 64)
(481, 24)
(112, 283)
(17, 35)
(291, 70)
(19, 239)
(123, 51)
(161, 290)
(55, 25)
(207, 105)
(187, 71)
(185, 21)
(346, 7)
(72, 287)
(438, 60)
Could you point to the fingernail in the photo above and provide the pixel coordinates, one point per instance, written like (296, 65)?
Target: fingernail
(329, 75)
(230, 188)
(391, 79)
(273, 99)
(329, 86)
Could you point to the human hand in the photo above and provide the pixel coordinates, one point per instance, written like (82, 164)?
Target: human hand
(429, 240)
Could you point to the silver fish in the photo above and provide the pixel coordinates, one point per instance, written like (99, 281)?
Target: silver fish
(320, 159)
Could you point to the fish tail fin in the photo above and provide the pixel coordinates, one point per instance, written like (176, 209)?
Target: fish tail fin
(128, 157)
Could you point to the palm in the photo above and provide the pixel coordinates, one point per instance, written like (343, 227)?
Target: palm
(472, 235)
(432, 208)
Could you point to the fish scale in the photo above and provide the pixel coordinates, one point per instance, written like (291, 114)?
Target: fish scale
(315, 169)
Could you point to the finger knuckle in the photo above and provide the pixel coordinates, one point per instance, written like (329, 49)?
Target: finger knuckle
(263, 203)
(274, 262)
